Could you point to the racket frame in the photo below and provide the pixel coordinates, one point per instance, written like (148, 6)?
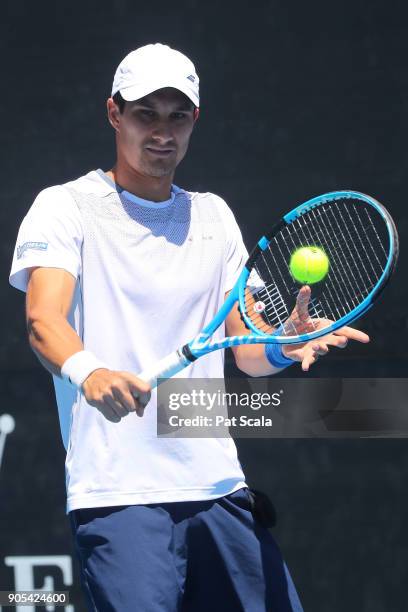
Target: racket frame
(202, 343)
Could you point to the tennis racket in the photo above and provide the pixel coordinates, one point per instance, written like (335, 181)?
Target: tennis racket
(360, 240)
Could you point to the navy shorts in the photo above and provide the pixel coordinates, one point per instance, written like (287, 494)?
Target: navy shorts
(181, 557)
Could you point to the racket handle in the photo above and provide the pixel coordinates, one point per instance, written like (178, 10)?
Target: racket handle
(165, 368)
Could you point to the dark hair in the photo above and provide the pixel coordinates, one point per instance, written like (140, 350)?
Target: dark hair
(119, 101)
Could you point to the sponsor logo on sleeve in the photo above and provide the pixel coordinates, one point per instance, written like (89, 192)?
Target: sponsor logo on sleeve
(36, 246)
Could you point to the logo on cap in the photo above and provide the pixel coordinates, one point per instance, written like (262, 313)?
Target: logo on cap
(191, 77)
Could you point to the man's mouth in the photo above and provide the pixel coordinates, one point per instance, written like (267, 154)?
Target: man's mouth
(160, 152)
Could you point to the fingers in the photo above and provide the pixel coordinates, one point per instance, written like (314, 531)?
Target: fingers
(140, 391)
(116, 394)
(312, 352)
(310, 357)
(300, 320)
(116, 406)
(330, 340)
(140, 403)
(309, 352)
(130, 397)
(124, 398)
(320, 349)
(137, 384)
(132, 394)
(107, 412)
(339, 341)
(315, 349)
(143, 400)
(353, 334)
(302, 303)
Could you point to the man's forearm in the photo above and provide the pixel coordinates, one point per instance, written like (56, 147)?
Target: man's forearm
(251, 359)
(53, 340)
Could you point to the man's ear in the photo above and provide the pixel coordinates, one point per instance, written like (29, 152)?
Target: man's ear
(113, 113)
(196, 113)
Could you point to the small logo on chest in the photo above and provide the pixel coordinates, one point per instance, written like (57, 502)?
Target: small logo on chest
(203, 237)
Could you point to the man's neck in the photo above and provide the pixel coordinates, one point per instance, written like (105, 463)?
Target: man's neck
(154, 189)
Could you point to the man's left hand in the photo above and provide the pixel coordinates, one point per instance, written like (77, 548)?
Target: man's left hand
(308, 352)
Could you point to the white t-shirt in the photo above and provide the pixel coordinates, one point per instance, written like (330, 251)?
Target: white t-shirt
(149, 277)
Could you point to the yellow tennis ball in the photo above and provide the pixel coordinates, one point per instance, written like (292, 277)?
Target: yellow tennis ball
(309, 265)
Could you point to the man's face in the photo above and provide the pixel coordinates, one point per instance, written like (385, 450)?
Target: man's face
(153, 133)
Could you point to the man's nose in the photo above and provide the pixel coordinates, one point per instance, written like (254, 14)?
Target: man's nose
(163, 133)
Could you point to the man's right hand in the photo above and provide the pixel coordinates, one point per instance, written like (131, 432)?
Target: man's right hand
(115, 394)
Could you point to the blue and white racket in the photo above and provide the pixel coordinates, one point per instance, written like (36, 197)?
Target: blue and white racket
(360, 240)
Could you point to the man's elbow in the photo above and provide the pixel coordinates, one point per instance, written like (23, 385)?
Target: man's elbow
(34, 325)
(38, 321)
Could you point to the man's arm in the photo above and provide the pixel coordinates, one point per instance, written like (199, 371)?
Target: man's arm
(48, 301)
(49, 298)
(251, 358)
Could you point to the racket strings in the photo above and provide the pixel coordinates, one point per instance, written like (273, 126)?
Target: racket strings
(341, 273)
(331, 288)
(356, 253)
(354, 237)
(344, 249)
(304, 236)
(351, 233)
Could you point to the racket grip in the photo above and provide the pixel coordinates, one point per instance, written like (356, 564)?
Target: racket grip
(165, 368)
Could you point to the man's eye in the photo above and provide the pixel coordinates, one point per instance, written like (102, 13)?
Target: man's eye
(179, 115)
(147, 113)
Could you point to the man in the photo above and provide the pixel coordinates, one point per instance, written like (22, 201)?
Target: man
(118, 274)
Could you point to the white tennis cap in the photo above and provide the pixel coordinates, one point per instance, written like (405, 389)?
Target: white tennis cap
(153, 67)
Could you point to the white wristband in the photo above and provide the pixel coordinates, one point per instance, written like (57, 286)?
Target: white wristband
(79, 366)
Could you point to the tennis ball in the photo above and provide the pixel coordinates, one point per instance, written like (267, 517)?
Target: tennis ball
(309, 265)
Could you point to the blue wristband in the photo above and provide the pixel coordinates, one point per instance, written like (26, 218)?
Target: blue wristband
(275, 356)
